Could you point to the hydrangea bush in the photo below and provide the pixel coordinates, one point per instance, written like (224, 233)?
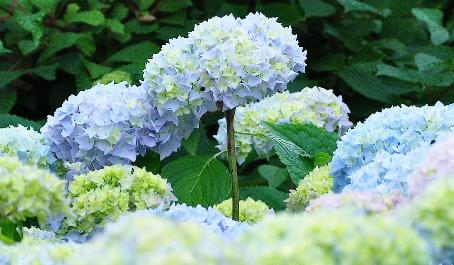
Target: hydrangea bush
(332, 237)
(251, 211)
(103, 195)
(396, 130)
(314, 105)
(26, 144)
(29, 192)
(315, 184)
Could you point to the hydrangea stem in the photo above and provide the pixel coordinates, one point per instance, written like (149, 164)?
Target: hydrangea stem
(230, 116)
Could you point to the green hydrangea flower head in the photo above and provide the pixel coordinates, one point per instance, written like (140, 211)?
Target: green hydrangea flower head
(26, 144)
(315, 184)
(103, 195)
(331, 238)
(116, 77)
(432, 213)
(251, 211)
(140, 238)
(28, 192)
(37, 253)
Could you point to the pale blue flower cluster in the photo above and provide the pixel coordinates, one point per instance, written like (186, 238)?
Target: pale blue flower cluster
(209, 218)
(396, 130)
(109, 124)
(224, 60)
(26, 144)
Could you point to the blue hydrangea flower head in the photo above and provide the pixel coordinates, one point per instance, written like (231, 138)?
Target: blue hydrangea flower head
(208, 218)
(26, 144)
(314, 105)
(396, 130)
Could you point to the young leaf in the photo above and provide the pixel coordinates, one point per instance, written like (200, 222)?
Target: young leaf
(272, 197)
(275, 175)
(198, 180)
(433, 20)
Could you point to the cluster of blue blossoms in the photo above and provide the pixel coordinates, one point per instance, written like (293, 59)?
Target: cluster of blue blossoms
(381, 152)
(224, 60)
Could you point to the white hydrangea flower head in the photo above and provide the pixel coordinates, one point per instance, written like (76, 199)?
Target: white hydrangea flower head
(26, 144)
(314, 105)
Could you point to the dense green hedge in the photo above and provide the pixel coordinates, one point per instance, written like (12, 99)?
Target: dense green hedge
(375, 53)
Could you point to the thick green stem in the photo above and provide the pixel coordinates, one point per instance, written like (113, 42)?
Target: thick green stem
(230, 117)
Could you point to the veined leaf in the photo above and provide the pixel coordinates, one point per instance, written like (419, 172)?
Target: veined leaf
(272, 197)
(433, 20)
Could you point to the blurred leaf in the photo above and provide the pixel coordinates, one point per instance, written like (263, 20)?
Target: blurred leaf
(8, 76)
(145, 4)
(86, 44)
(150, 161)
(425, 61)
(46, 71)
(8, 99)
(272, 197)
(273, 174)
(115, 26)
(9, 231)
(300, 82)
(32, 24)
(402, 74)
(134, 26)
(119, 12)
(91, 17)
(3, 50)
(286, 13)
(354, 5)
(366, 84)
(198, 180)
(316, 8)
(172, 6)
(47, 6)
(58, 41)
(330, 62)
(433, 20)
(71, 63)
(96, 70)
(191, 144)
(238, 10)
(9, 119)
(137, 53)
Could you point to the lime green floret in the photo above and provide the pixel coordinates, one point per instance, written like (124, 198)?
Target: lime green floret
(103, 195)
(315, 184)
(28, 192)
(251, 211)
(433, 212)
(336, 237)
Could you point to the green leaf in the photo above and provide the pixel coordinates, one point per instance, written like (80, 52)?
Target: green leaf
(316, 8)
(198, 180)
(272, 197)
(238, 10)
(9, 231)
(91, 17)
(47, 6)
(275, 175)
(366, 84)
(58, 41)
(425, 61)
(96, 70)
(286, 13)
(178, 19)
(8, 76)
(322, 158)
(8, 99)
(32, 24)
(191, 144)
(329, 62)
(46, 71)
(172, 6)
(310, 138)
(115, 26)
(134, 26)
(433, 20)
(399, 73)
(150, 161)
(136, 53)
(9, 119)
(3, 50)
(86, 44)
(145, 4)
(354, 5)
(119, 12)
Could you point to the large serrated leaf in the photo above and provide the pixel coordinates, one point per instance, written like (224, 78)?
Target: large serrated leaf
(272, 197)
(198, 180)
